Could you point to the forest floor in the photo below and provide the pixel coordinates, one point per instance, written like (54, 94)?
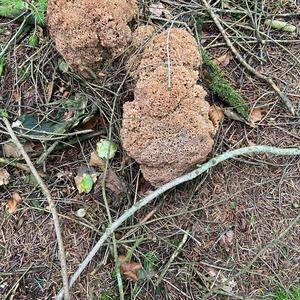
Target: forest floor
(230, 213)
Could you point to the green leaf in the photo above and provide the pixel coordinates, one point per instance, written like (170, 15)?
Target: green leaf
(4, 113)
(106, 149)
(63, 66)
(34, 126)
(87, 183)
(33, 40)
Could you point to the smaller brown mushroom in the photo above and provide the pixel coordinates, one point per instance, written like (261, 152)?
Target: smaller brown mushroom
(89, 32)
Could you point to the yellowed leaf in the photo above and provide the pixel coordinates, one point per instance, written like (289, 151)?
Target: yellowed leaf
(223, 60)
(129, 269)
(13, 202)
(4, 177)
(256, 115)
(216, 115)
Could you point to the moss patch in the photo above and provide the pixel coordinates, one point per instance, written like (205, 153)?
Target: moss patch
(220, 86)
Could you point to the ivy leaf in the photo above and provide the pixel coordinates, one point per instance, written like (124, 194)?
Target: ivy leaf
(86, 183)
(106, 149)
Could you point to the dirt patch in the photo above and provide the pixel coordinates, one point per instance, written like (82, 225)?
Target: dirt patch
(88, 32)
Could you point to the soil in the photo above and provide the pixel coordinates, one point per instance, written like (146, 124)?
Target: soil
(254, 198)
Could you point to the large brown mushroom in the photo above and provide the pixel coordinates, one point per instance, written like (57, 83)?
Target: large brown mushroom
(166, 128)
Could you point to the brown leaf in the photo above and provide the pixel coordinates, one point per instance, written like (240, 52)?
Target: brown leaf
(13, 202)
(130, 269)
(16, 96)
(4, 177)
(96, 161)
(227, 239)
(50, 88)
(113, 182)
(157, 9)
(216, 115)
(223, 60)
(95, 120)
(10, 150)
(256, 115)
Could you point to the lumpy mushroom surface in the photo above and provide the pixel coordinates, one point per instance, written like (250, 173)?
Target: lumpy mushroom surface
(166, 129)
(89, 32)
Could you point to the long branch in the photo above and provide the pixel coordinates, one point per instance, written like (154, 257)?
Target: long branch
(47, 194)
(200, 170)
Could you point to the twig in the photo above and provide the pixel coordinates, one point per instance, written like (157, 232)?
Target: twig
(15, 286)
(262, 77)
(13, 162)
(148, 199)
(47, 194)
(103, 185)
(173, 256)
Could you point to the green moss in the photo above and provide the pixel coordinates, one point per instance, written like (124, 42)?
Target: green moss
(220, 86)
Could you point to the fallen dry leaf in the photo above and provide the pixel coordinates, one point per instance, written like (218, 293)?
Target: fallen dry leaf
(223, 60)
(96, 161)
(157, 9)
(113, 182)
(227, 239)
(219, 277)
(16, 96)
(13, 202)
(50, 88)
(130, 269)
(216, 115)
(4, 177)
(10, 150)
(256, 115)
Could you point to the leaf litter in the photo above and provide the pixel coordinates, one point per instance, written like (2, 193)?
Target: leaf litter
(13, 202)
(4, 177)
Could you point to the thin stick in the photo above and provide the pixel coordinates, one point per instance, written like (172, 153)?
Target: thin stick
(262, 77)
(148, 199)
(47, 194)
(13, 162)
(173, 256)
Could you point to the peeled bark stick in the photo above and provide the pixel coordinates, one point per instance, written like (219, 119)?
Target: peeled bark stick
(148, 199)
(287, 102)
(47, 194)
